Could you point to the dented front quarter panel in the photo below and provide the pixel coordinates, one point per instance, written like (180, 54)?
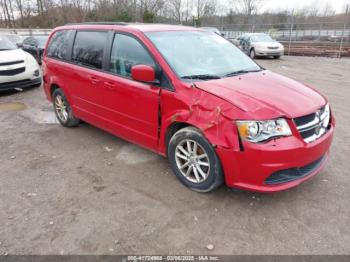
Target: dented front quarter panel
(210, 114)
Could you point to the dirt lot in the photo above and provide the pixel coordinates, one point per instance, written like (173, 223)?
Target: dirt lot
(83, 191)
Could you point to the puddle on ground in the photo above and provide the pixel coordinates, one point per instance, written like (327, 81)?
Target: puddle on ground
(12, 106)
(41, 116)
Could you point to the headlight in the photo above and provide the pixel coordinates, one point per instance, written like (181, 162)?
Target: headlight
(258, 131)
(326, 116)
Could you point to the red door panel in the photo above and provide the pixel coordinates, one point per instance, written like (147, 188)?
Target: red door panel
(131, 109)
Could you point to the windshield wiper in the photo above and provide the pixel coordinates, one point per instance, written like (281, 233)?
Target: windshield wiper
(201, 77)
(240, 72)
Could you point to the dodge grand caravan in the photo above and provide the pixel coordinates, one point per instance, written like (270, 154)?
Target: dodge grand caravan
(192, 96)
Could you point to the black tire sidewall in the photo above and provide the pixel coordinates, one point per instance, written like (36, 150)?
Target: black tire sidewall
(71, 120)
(215, 177)
(250, 53)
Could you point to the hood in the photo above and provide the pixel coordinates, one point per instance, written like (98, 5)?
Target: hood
(12, 55)
(266, 95)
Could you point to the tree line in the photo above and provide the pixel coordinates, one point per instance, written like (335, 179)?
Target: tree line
(51, 13)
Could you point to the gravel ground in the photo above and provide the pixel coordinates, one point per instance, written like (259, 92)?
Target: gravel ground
(83, 191)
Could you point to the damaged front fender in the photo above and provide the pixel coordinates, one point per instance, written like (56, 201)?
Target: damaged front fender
(210, 114)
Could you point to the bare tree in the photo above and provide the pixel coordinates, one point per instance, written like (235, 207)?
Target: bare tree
(19, 6)
(175, 7)
(313, 10)
(6, 11)
(205, 8)
(248, 7)
(328, 10)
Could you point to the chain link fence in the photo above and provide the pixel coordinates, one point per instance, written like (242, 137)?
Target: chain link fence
(324, 39)
(317, 39)
(25, 31)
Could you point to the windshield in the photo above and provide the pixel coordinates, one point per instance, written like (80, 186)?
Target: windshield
(6, 44)
(261, 38)
(13, 38)
(41, 40)
(197, 53)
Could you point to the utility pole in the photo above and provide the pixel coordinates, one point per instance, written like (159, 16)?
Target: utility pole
(344, 28)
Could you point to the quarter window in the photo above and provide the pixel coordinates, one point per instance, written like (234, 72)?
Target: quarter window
(127, 52)
(89, 47)
(58, 47)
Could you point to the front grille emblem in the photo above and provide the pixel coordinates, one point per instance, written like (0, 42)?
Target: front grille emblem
(314, 125)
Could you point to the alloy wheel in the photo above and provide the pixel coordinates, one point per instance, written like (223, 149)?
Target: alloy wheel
(61, 108)
(192, 161)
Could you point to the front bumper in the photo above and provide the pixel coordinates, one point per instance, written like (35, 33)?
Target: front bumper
(29, 78)
(269, 52)
(250, 169)
(26, 83)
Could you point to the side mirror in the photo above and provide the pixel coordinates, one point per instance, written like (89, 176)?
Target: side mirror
(144, 73)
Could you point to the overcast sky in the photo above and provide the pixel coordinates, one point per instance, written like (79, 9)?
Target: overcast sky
(338, 5)
(276, 5)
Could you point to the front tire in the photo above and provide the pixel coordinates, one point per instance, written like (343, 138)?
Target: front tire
(276, 57)
(63, 109)
(194, 160)
(252, 53)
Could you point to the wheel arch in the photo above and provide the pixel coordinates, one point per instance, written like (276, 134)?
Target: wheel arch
(172, 129)
(53, 87)
(56, 85)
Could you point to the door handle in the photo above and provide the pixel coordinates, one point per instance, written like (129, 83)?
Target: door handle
(110, 85)
(94, 79)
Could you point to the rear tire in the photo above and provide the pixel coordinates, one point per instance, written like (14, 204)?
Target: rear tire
(63, 109)
(194, 160)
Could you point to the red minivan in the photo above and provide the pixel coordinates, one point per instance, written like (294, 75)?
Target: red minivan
(192, 96)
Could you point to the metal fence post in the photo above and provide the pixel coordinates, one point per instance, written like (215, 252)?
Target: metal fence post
(290, 32)
(290, 38)
(343, 32)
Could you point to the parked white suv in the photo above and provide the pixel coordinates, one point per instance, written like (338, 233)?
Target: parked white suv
(259, 44)
(18, 69)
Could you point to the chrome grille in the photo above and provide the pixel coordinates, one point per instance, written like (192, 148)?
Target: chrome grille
(315, 125)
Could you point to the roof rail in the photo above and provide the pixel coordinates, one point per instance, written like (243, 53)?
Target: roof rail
(99, 23)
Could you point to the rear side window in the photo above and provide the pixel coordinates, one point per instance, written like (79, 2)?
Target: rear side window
(58, 47)
(127, 52)
(89, 47)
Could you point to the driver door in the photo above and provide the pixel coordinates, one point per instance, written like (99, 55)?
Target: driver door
(131, 107)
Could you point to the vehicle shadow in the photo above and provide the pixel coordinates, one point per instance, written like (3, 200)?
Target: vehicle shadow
(5, 93)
